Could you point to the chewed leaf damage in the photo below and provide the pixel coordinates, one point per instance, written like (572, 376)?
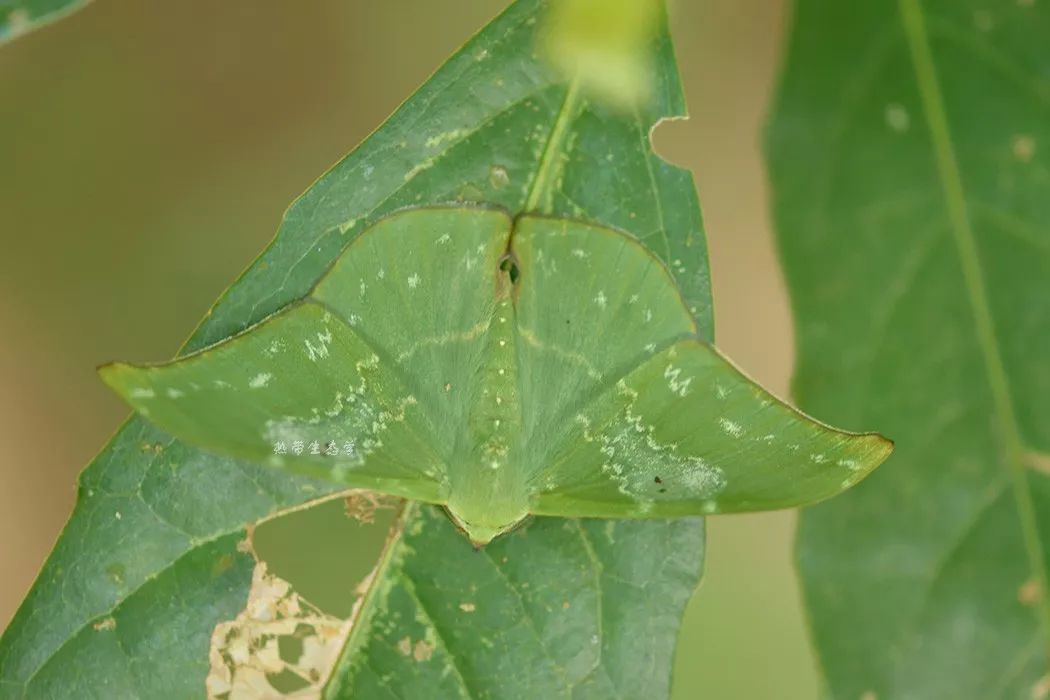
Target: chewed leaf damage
(278, 633)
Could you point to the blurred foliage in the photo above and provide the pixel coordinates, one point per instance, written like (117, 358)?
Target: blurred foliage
(604, 44)
(18, 17)
(909, 161)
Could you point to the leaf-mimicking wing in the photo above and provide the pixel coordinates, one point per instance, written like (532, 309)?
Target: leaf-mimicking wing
(500, 368)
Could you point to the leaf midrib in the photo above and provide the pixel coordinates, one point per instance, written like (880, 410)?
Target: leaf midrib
(361, 619)
(954, 193)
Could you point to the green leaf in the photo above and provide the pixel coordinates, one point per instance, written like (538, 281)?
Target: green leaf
(159, 577)
(17, 17)
(598, 623)
(500, 368)
(909, 160)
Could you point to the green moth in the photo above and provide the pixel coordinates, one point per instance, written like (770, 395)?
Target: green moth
(500, 367)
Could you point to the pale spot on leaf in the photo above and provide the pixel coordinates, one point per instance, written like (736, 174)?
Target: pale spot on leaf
(983, 20)
(423, 650)
(18, 21)
(1023, 147)
(1029, 592)
(897, 117)
(498, 177)
(1041, 689)
(106, 624)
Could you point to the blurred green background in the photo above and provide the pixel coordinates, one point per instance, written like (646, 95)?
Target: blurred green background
(147, 152)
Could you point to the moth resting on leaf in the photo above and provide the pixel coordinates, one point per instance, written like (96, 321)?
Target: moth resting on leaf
(501, 367)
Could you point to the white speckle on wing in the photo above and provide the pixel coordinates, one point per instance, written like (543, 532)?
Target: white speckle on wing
(141, 393)
(635, 459)
(701, 477)
(413, 281)
(730, 428)
(600, 299)
(276, 347)
(851, 464)
(260, 380)
(320, 350)
(675, 382)
(579, 253)
(445, 238)
(175, 394)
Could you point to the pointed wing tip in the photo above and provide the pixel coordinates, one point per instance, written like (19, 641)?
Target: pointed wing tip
(120, 377)
(883, 447)
(879, 449)
(110, 373)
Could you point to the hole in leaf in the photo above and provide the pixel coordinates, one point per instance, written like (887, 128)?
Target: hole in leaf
(669, 138)
(286, 682)
(291, 647)
(323, 552)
